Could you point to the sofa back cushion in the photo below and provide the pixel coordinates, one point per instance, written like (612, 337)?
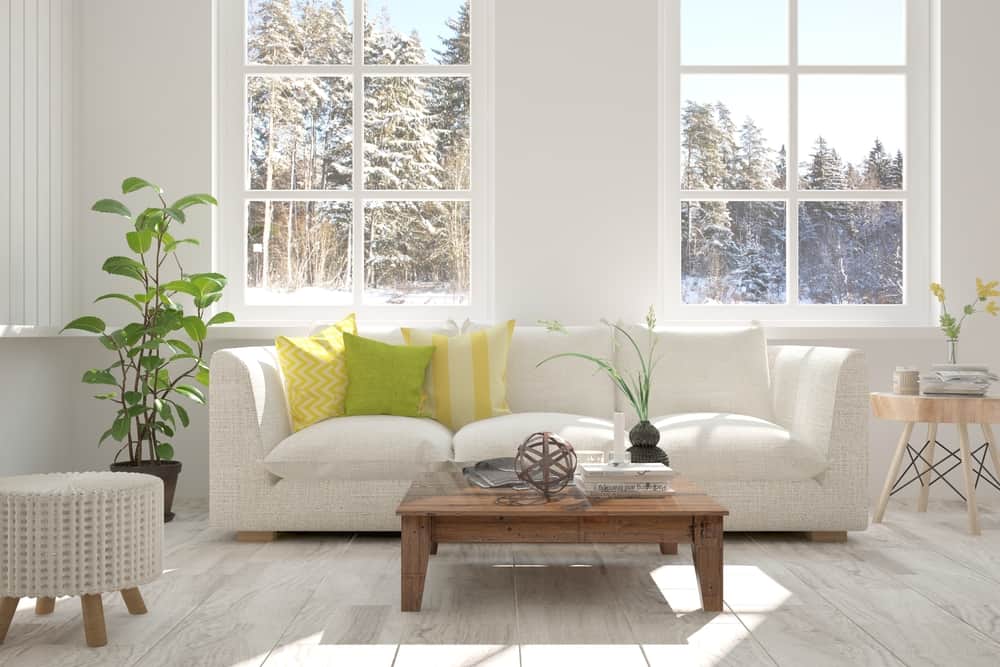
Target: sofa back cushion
(562, 385)
(705, 369)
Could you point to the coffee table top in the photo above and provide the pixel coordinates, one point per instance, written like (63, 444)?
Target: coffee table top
(447, 493)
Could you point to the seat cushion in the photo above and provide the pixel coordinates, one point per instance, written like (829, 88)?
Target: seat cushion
(501, 436)
(714, 446)
(366, 447)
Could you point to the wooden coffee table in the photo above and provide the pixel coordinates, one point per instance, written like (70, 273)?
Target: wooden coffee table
(444, 508)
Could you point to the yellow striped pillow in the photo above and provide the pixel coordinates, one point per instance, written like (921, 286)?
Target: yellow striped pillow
(315, 373)
(467, 377)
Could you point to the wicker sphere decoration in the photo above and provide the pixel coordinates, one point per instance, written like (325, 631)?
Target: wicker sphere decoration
(545, 462)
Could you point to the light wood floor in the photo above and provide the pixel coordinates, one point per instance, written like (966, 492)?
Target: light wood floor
(917, 591)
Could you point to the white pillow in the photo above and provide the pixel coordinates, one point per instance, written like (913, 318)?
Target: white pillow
(707, 369)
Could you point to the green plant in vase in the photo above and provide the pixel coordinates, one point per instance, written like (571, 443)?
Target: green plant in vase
(157, 360)
(635, 386)
(952, 325)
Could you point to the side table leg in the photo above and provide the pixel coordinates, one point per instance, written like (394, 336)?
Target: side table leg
(890, 478)
(416, 548)
(93, 620)
(706, 551)
(994, 452)
(7, 608)
(668, 548)
(970, 485)
(925, 475)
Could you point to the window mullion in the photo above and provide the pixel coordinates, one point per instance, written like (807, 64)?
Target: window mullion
(792, 161)
(357, 179)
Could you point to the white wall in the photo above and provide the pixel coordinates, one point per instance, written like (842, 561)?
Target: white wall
(564, 247)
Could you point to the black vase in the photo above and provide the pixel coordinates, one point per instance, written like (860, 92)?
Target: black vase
(644, 438)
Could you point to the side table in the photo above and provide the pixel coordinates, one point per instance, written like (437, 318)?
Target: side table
(934, 410)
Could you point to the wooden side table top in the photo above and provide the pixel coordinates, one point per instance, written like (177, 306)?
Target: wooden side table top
(937, 409)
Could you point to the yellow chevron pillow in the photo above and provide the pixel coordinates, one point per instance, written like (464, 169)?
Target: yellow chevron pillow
(467, 377)
(315, 373)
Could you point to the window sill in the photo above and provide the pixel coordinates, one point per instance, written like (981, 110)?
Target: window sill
(779, 332)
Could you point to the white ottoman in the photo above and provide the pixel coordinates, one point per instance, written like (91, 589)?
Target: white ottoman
(79, 534)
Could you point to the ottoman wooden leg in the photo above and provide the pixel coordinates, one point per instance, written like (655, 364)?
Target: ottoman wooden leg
(7, 608)
(133, 600)
(45, 606)
(93, 620)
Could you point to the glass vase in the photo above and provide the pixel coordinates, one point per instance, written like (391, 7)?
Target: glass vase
(952, 350)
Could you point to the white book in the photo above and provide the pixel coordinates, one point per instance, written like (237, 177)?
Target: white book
(626, 468)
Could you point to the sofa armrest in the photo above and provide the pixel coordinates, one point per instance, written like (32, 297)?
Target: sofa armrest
(247, 418)
(820, 394)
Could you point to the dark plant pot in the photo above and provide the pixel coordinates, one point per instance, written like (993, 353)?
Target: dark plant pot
(165, 470)
(644, 438)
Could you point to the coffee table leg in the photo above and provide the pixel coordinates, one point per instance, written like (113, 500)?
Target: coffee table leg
(925, 476)
(890, 477)
(434, 548)
(970, 486)
(706, 551)
(668, 548)
(416, 549)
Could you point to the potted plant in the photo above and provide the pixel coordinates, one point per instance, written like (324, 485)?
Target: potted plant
(156, 357)
(636, 387)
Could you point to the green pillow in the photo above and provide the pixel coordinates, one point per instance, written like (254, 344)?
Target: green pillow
(384, 379)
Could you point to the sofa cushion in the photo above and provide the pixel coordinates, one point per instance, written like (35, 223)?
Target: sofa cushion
(501, 436)
(366, 447)
(561, 385)
(714, 446)
(706, 369)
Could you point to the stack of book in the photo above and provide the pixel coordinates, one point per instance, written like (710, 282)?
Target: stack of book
(627, 480)
(954, 379)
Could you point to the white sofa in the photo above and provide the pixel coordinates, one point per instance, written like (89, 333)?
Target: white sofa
(804, 470)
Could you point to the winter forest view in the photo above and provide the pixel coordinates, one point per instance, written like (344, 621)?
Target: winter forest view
(734, 134)
(300, 135)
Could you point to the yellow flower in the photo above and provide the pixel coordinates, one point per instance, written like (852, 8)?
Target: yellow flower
(992, 308)
(938, 291)
(986, 290)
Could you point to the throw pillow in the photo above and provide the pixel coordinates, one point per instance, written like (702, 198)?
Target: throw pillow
(467, 380)
(709, 369)
(384, 379)
(315, 373)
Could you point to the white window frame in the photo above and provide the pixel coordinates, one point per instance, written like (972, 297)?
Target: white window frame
(230, 238)
(918, 241)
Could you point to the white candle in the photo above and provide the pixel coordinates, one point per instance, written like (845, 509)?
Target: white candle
(619, 446)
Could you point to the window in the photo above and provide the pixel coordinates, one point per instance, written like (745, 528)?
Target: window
(796, 139)
(352, 157)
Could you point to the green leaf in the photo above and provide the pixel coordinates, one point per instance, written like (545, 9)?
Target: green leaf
(182, 413)
(104, 436)
(150, 220)
(150, 363)
(195, 328)
(120, 297)
(104, 397)
(132, 397)
(180, 346)
(172, 245)
(86, 323)
(99, 376)
(191, 200)
(124, 266)
(207, 300)
(165, 451)
(112, 206)
(202, 376)
(175, 213)
(225, 317)
(134, 411)
(193, 393)
(119, 429)
(139, 242)
(133, 183)
(164, 428)
(206, 284)
(183, 286)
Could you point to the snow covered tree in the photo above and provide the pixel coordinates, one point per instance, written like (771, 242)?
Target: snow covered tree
(449, 100)
(877, 168)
